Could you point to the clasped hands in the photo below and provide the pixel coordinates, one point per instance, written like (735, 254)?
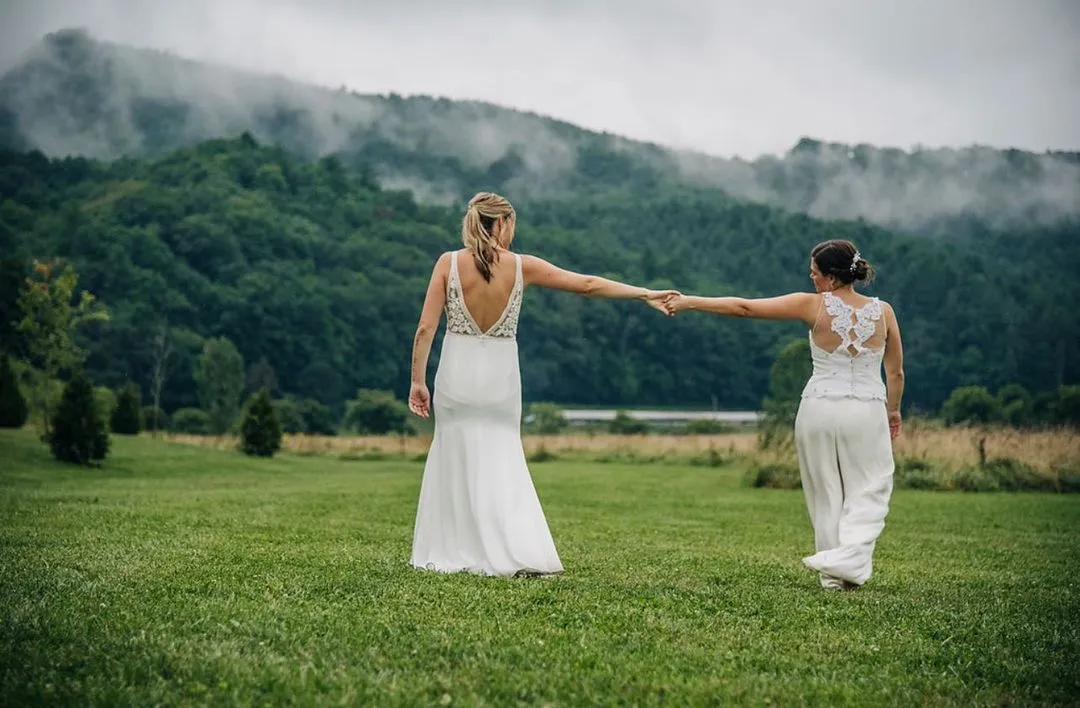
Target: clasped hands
(667, 301)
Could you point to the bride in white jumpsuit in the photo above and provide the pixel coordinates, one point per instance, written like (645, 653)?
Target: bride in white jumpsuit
(848, 416)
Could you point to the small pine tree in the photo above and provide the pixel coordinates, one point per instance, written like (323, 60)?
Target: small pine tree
(127, 416)
(13, 408)
(260, 433)
(78, 433)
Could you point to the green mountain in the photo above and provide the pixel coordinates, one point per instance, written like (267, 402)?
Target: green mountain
(321, 272)
(308, 240)
(73, 95)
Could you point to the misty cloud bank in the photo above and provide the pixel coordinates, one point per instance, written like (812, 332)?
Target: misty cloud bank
(75, 96)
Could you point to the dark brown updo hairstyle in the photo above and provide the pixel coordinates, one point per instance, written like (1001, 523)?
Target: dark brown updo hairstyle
(841, 260)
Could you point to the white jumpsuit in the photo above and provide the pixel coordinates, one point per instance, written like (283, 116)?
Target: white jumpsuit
(842, 438)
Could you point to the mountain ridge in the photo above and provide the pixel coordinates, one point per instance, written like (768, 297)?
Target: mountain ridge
(73, 94)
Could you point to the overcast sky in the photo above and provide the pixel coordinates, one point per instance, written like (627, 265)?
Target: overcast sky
(728, 77)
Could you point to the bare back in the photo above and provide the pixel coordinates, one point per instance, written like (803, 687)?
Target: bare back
(485, 301)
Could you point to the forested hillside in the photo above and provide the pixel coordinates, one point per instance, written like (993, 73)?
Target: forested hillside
(321, 273)
(73, 95)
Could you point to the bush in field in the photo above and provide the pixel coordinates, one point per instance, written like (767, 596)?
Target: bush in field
(319, 418)
(375, 413)
(775, 475)
(707, 427)
(127, 416)
(1067, 408)
(970, 404)
(191, 421)
(260, 433)
(288, 414)
(78, 434)
(625, 425)
(914, 473)
(547, 419)
(305, 416)
(155, 418)
(1016, 406)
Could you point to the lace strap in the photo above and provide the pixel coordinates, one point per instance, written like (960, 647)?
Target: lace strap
(454, 277)
(821, 311)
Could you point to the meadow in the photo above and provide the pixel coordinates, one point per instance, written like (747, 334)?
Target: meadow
(928, 454)
(181, 574)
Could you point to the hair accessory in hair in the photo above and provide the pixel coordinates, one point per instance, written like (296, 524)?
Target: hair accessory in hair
(855, 261)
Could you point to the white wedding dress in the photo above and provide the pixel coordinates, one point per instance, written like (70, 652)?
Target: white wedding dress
(478, 509)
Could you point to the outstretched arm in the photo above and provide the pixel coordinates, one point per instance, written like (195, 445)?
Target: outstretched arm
(537, 271)
(795, 306)
(434, 301)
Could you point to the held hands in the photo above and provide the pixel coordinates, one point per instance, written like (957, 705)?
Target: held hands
(677, 303)
(420, 400)
(667, 301)
(661, 300)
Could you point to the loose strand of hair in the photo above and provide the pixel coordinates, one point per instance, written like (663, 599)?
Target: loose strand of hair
(483, 260)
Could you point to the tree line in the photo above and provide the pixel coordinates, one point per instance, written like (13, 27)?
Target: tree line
(76, 418)
(315, 275)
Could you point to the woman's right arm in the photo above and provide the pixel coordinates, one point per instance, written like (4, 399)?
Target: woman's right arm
(537, 271)
(430, 315)
(894, 370)
(794, 306)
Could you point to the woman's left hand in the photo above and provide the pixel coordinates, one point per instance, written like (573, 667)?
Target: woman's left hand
(420, 400)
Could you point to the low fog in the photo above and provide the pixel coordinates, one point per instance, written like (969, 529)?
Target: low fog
(724, 77)
(728, 91)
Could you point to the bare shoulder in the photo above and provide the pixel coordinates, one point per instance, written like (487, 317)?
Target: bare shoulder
(531, 266)
(809, 305)
(528, 261)
(442, 264)
(804, 299)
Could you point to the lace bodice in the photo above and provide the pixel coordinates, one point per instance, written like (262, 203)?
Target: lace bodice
(851, 369)
(460, 321)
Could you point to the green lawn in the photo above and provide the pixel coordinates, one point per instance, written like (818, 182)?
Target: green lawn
(179, 575)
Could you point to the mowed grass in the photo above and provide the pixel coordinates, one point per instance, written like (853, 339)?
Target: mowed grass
(183, 575)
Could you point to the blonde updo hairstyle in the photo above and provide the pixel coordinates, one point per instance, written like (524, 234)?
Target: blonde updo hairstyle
(477, 229)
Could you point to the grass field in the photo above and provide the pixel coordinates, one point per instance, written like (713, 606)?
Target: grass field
(178, 574)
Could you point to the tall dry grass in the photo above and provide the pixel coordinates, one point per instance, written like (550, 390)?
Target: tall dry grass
(960, 447)
(572, 445)
(944, 448)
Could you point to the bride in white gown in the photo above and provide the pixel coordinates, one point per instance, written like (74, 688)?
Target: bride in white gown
(478, 509)
(848, 416)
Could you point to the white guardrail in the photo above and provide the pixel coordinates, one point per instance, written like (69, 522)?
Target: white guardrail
(581, 415)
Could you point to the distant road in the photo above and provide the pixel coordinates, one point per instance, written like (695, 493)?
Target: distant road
(590, 415)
